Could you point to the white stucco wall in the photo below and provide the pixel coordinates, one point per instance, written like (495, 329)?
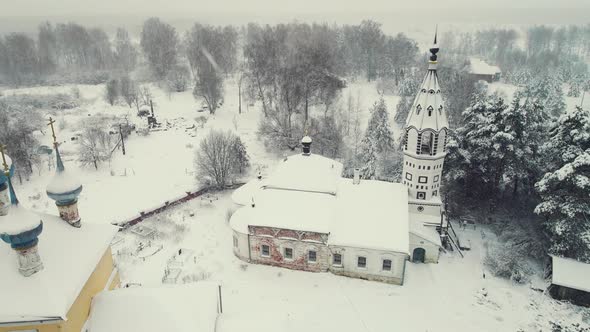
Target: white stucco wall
(241, 250)
(432, 250)
(374, 270)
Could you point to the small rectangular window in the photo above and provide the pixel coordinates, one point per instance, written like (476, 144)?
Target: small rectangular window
(235, 242)
(434, 193)
(337, 259)
(387, 265)
(311, 256)
(435, 178)
(429, 168)
(265, 250)
(362, 262)
(289, 253)
(422, 179)
(408, 176)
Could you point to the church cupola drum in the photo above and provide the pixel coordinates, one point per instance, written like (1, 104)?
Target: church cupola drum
(64, 188)
(424, 143)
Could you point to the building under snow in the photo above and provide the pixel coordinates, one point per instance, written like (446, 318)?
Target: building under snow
(306, 216)
(52, 266)
(570, 280)
(481, 70)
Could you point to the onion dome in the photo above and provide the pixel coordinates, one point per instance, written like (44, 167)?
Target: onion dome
(21, 229)
(428, 110)
(64, 187)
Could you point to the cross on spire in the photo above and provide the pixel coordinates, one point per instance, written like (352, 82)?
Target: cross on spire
(51, 122)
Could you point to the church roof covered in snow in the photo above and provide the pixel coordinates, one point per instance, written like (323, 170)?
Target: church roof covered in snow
(287, 209)
(571, 273)
(428, 109)
(423, 225)
(183, 308)
(480, 67)
(371, 215)
(70, 256)
(302, 172)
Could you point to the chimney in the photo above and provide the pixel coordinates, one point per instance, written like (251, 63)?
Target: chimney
(357, 176)
(306, 143)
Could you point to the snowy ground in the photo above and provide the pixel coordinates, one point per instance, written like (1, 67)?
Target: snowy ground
(449, 296)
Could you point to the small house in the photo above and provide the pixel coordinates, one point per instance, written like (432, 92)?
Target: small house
(570, 280)
(481, 70)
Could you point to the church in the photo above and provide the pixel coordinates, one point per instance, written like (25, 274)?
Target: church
(306, 216)
(52, 266)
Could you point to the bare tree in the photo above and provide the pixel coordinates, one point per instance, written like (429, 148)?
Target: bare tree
(220, 157)
(112, 91)
(96, 145)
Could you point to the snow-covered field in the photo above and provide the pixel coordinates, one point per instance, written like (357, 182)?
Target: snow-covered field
(449, 296)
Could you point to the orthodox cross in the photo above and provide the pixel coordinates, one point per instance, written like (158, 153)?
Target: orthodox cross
(51, 122)
(4, 163)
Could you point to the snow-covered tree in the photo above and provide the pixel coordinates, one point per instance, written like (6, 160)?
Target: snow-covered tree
(159, 42)
(125, 52)
(377, 141)
(497, 146)
(240, 155)
(546, 91)
(565, 189)
(218, 158)
(112, 91)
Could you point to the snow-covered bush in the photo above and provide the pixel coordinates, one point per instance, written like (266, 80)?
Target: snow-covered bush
(58, 101)
(507, 262)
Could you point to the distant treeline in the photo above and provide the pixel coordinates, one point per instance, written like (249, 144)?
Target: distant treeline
(559, 51)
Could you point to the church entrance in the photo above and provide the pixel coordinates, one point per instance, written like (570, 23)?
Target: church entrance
(418, 255)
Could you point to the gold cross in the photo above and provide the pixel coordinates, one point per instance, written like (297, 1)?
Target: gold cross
(51, 122)
(4, 163)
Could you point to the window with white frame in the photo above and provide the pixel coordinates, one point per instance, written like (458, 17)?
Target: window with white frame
(289, 253)
(422, 179)
(387, 265)
(265, 250)
(312, 256)
(408, 176)
(435, 178)
(361, 262)
(337, 259)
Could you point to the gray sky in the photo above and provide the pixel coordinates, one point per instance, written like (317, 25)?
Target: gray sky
(416, 18)
(263, 7)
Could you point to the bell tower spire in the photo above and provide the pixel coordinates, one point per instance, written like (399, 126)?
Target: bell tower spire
(424, 142)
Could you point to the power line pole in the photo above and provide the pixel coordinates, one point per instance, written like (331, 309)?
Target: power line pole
(122, 140)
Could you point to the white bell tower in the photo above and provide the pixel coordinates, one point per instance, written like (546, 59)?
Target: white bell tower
(424, 144)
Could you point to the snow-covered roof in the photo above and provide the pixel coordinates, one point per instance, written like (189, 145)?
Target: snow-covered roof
(571, 273)
(69, 256)
(480, 67)
(183, 308)
(306, 173)
(418, 227)
(244, 194)
(428, 110)
(372, 215)
(287, 209)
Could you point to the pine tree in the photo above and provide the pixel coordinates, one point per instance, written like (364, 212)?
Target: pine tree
(565, 189)
(378, 140)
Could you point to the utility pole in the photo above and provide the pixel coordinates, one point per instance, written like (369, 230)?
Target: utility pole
(122, 140)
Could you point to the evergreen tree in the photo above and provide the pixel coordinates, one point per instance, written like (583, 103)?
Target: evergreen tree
(378, 139)
(565, 189)
(546, 91)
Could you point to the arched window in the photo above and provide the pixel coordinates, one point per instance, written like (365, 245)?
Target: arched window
(418, 109)
(430, 109)
(426, 143)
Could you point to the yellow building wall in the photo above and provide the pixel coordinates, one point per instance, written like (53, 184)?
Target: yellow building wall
(78, 313)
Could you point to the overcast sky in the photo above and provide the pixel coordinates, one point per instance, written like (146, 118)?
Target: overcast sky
(191, 7)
